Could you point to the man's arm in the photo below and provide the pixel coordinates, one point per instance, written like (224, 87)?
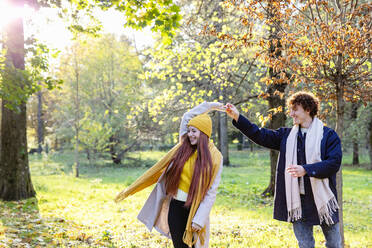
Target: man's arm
(332, 160)
(265, 137)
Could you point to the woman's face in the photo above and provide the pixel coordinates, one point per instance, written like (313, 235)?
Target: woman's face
(193, 134)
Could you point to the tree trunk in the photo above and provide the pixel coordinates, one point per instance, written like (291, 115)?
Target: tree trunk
(15, 179)
(241, 143)
(218, 122)
(354, 115)
(77, 162)
(113, 143)
(40, 122)
(224, 139)
(277, 121)
(275, 101)
(89, 156)
(355, 153)
(370, 144)
(340, 110)
(77, 116)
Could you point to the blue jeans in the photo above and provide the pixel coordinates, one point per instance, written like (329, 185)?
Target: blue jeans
(305, 237)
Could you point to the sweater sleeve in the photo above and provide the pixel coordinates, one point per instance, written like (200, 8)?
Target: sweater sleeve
(265, 137)
(206, 204)
(332, 158)
(197, 110)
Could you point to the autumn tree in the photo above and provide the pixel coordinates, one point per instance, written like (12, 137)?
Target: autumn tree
(330, 51)
(260, 24)
(325, 47)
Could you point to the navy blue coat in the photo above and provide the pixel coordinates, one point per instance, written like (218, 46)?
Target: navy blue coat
(331, 156)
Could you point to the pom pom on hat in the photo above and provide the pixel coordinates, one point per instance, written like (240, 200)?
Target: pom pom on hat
(202, 122)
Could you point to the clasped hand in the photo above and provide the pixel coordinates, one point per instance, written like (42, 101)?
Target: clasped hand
(229, 108)
(296, 170)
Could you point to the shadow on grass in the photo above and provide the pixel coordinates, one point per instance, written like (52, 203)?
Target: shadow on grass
(21, 225)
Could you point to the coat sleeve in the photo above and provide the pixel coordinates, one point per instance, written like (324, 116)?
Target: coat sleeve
(265, 137)
(332, 158)
(202, 214)
(197, 110)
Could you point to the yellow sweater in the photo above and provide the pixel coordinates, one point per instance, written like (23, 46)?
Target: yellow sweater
(187, 172)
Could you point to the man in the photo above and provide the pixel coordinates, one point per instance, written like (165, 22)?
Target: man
(310, 156)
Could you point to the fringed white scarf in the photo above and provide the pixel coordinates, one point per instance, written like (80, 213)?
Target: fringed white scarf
(324, 198)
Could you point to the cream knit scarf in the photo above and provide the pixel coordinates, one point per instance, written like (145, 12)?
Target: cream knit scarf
(324, 198)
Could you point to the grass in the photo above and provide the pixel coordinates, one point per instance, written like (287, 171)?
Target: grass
(80, 212)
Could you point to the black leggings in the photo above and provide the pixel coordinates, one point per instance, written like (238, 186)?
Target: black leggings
(177, 220)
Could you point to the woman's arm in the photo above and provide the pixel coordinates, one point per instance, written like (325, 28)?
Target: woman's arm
(206, 204)
(202, 108)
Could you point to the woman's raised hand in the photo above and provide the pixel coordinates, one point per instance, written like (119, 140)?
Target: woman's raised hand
(217, 106)
(232, 111)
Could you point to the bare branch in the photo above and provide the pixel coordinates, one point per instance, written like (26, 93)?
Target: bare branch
(313, 20)
(337, 3)
(319, 15)
(245, 100)
(200, 7)
(245, 75)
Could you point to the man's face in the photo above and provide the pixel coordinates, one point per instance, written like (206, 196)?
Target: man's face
(299, 115)
(193, 134)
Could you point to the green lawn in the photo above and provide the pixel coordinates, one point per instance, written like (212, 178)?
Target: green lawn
(80, 212)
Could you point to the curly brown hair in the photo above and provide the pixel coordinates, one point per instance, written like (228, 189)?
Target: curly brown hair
(307, 100)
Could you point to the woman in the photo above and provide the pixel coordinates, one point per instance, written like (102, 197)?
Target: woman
(186, 180)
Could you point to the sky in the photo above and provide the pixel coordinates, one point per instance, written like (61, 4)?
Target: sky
(51, 30)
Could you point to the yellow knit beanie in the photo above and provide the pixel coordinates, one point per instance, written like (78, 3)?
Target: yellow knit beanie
(202, 122)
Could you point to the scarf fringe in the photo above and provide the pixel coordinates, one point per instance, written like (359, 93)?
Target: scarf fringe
(187, 238)
(190, 238)
(325, 212)
(294, 214)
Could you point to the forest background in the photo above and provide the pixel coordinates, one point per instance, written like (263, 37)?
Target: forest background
(104, 103)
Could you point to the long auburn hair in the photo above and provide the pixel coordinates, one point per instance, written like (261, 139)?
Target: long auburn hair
(203, 167)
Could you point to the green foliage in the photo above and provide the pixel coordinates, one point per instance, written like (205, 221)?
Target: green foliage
(16, 85)
(357, 130)
(95, 136)
(162, 16)
(106, 71)
(37, 63)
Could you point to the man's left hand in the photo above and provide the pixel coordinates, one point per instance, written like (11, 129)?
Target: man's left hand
(296, 170)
